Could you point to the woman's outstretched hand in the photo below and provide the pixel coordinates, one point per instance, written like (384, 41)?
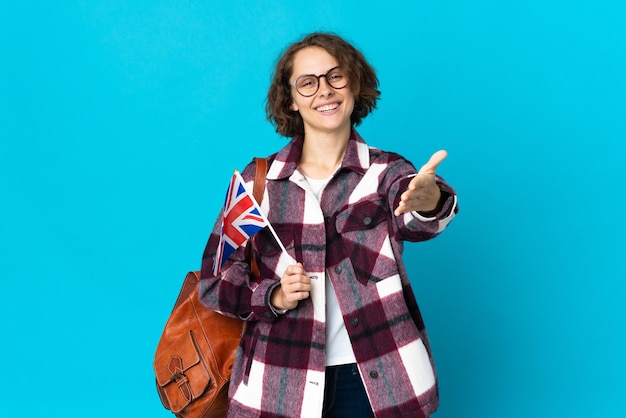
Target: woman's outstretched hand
(295, 286)
(423, 194)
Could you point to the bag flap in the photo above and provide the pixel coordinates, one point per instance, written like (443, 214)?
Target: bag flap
(177, 359)
(181, 373)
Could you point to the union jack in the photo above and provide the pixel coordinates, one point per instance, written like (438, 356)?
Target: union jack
(241, 219)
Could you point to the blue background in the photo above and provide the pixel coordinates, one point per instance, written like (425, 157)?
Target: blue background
(121, 122)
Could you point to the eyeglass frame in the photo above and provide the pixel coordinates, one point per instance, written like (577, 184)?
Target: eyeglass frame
(319, 82)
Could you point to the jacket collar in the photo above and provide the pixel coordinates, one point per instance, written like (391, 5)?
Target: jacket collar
(357, 157)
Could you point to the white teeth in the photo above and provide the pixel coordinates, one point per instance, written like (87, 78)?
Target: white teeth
(327, 108)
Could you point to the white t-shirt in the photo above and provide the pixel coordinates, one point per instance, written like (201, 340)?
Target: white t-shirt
(338, 346)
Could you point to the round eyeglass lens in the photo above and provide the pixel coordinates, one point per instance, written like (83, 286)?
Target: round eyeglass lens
(307, 85)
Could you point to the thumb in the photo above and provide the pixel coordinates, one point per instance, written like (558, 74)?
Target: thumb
(431, 166)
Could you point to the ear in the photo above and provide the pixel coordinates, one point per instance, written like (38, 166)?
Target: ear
(293, 107)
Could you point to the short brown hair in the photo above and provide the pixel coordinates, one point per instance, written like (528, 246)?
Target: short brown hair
(362, 82)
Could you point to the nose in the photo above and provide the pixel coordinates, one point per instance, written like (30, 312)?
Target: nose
(325, 89)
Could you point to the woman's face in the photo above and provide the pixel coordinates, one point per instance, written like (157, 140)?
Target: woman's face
(329, 109)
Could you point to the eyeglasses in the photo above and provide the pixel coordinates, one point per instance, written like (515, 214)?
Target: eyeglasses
(308, 84)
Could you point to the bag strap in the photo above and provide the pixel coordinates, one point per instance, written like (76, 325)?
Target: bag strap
(259, 179)
(258, 189)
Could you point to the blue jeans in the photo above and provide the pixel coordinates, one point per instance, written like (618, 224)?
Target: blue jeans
(344, 394)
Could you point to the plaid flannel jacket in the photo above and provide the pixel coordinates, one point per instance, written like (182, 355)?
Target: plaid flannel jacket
(352, 236)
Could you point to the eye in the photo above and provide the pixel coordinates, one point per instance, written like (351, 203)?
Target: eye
(336, 76)
(307, 82)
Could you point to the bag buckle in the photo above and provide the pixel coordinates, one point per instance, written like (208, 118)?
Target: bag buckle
(175, 366)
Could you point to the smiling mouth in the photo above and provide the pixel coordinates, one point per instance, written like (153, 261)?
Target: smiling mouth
(327, 108)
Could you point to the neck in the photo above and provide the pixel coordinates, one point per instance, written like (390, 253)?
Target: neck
(322, 153)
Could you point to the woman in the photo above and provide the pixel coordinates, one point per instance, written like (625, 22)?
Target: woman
(333, 328)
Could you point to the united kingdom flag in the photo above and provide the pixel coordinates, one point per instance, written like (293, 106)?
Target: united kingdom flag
(242, 218)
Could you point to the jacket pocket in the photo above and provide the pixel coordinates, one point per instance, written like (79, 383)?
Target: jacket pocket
(365, 238)
(268, 251)
(363, 215)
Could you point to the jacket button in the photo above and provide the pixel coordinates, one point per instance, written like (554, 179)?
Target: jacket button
(337, 269)
(367, 220)
(354, 322)
(374, 374)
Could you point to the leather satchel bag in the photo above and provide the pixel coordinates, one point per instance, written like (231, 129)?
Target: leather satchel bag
(196, 352)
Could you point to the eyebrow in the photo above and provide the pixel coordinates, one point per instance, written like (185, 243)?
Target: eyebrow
(315, 75)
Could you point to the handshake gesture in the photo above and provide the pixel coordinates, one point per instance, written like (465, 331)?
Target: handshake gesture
(423, 194)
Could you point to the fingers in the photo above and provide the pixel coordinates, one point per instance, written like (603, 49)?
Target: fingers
(431, 166)
(297, 268)
(422, 193)
(295, 284)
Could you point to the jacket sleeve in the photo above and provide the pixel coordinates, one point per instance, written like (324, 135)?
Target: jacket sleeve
(412, 226)
(236, 292)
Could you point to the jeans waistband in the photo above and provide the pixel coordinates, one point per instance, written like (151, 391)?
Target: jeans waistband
(343, 367)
